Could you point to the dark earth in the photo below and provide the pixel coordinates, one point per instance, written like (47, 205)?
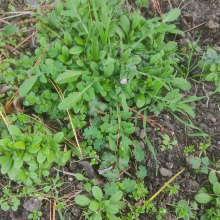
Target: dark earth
(170, 162)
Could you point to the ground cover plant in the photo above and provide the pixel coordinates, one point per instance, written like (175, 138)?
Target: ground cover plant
(100, 67)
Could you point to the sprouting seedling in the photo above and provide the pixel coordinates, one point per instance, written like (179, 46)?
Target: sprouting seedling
(167, 144)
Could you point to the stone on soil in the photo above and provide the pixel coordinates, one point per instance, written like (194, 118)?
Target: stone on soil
(165, 172)
(32, 204)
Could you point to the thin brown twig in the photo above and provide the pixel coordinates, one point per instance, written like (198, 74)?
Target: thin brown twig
(195, 27)
(54, 209)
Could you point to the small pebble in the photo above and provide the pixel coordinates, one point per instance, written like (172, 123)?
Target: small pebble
(213, 119)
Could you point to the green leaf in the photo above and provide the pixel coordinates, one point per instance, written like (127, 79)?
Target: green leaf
(140, 100)
(203, 198)
(108, 70)
(110, 188)
(10, 29)
(72, 99)
(125, 56)
(46, 189)
(27, 85)
(45, 150)
(212, 177)
(154, 58)
(36, 140)
(142, 172)
(153, 152)
(14, 130)
(5, 206)
(95, 49)
(99, 144)
(112, 209)
(66, 156)
(97, 193)
(6, 167)
(45, 173)
(172, 15)
(51, 157)
(62, 58)
(87, 187)
(58, 137)
(196, 162)
(79, 176)
(129, 130)
(68, 38)
(124, 23)
(79, 41)
(5, 159)
(76, 50)
(181, 83)
(18, 163)
(69, 76)
(41, 157)
(216, 188)
(116, 197)
(129, 185)
(93, 205)
(82, 200)
(19, 144)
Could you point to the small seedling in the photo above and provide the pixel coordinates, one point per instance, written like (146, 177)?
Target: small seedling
(183, 210)
(35, 215)
(200, 164)
(188, 149)
(167, 144)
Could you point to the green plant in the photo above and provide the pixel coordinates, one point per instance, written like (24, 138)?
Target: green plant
(188, 149)
(171, 189)
(26, 158)
(141, 3)
(204, 196)
(167, 143)
(98, 204)
(183, 210)
(8, 200)
(210, 63)
(35, 215)
(200, 164)
(140, 191)
(203, 147)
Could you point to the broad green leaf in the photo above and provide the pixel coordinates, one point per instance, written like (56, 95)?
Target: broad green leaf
(28, 182)
(116, 197)
(36, 140)
(203, 198)
(79, 176)
(45, 173)
(72, 99)
(124, 23)
(58, 137)
(5, 169)
(97, 193)
(45, 150)
(93, 205)
(14, 130)
(19, 144)
(10, 29)
(212, 177)
(68, 38)
(18, 163)
(69, 76)
(41, 157)
(108, 70)
(5, 159)
(33, 149)
(51, 157)
(76, 50)
(95, 49)
(66, 156)
(27, 85)
(46, 189)
(5, 206)
(79, 40)
(125, 55)
(154, 58)
(136, 22)
(140, 100)
(82, 200)
(172, 15)
(112, 209)
(216, 188)
(181, 83)
(62, 58)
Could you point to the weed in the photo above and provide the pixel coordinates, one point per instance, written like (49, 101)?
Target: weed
(188, 149)
(167, 143)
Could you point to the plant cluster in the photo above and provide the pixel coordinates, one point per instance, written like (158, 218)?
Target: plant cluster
(167, 143)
